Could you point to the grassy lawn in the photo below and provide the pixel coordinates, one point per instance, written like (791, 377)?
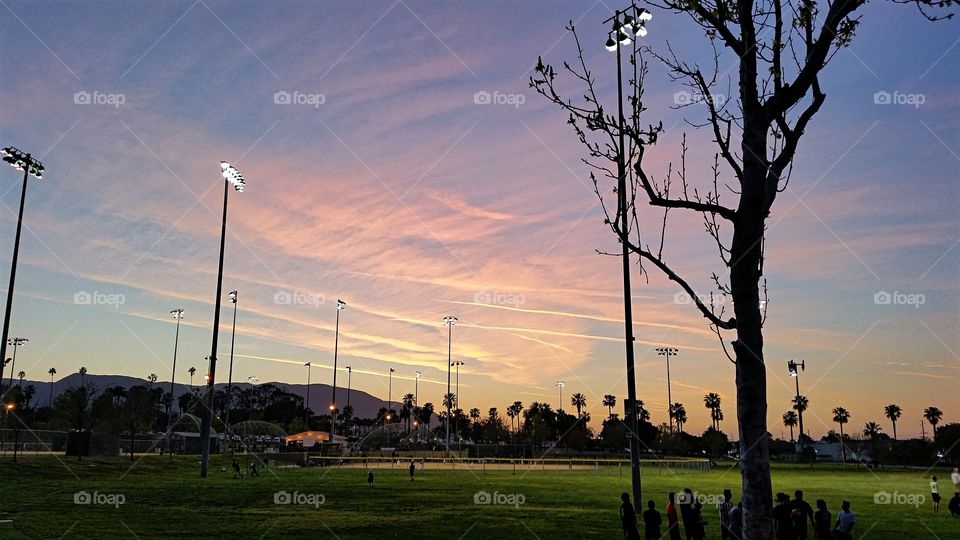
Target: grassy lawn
(166, 499)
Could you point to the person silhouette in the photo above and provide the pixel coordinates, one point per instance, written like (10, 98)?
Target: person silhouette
(673, 521)
(412, 469)
(846, 519)
(821, 521)
(370, 478)
(651, 521)
(628, 518)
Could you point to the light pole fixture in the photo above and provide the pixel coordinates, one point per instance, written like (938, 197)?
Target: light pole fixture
(20, 161)
(231, 177)
(560, 385)
(794, 369)
(178, 315)
(449, 321)
(306, 409)
(233, 335)
(16, 342)
(341, 305)
(416, 393)
(668, 352)
(349, 377)
(623, 24)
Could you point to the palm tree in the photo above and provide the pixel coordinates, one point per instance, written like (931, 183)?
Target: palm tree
(790, 419)
(579, 401)
(679, 415)
(609, 401)
(475, 414)
(408, 401)
(933, 415)
(192, 370)
(712, 401)
(152, 378)
(52, 372)
(872, 430)
(841, 416)
(20, 376)
(83, 373)
(893, 412)
(642, 413)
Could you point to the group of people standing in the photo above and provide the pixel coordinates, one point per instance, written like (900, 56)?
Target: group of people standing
(954, 504)
(685, 511)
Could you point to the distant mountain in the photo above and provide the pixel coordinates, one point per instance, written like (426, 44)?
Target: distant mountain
(364, 404)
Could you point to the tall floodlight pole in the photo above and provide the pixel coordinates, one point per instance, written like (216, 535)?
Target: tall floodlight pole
(795, 373)
(449, 321)
(456, 400)
(625, 23)
(389, 401)
(306, 408)
(349, 376)
(231, 176)
(177, 314)
(233, 335)
(341, 305)
(22, 162)
(17, 342)
(416, 390)
(668, 352)
(560, 385)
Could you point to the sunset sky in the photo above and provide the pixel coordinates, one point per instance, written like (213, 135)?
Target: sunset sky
(408, 200)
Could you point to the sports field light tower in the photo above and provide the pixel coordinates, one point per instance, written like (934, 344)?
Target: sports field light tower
(231, 177)
(794, 369)
(341, 305)
(20, 161)
(449, 321)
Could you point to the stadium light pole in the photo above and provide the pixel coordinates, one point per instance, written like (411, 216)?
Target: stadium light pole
(177, 314)
(349, 376)
(456, 399)
(449, 321)
(306, 409)
(341, 305)
(231, 176)
(560, 385)
(668, 352)
(792, 369)
(233, 335)
(389, 401)
(20, 161)
(16, 342)
(632, 22)
(416, 394)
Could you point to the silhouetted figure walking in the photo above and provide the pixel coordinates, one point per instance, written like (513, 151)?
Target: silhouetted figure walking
(628, 518)
(800, 513)
(736, 521)
(782, 520)
(651, 521)
(412, 470)
(723, 508)
(370, 478)
(253, 469)
(237, 473)
(935, 494)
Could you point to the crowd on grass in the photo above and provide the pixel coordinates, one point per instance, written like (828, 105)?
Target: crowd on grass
(685, 520)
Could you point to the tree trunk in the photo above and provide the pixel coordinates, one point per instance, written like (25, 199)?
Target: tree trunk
(746, 253)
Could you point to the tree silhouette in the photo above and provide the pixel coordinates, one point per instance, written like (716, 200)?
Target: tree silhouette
(841, 416)
(679, 414)
(712, 402)
(893, 412)
(609, 401)
(933, 415)
(790, 419)
(579, 401)
(780, 48)
(52, 371)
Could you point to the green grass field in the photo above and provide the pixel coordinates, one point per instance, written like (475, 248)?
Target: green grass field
(166, 499)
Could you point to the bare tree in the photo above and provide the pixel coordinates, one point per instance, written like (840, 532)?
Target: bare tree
(780, 48)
